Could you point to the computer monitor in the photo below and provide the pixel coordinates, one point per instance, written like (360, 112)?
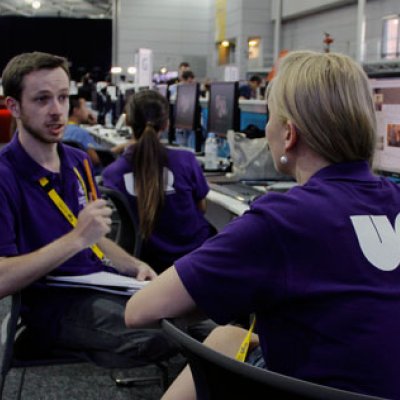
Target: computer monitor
(386, 94)
(187, 106)
(223, 107)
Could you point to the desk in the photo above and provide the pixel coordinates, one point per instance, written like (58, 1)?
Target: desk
(107, 137)
(221, 209)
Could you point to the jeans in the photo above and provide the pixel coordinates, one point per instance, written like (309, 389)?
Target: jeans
(91, 323)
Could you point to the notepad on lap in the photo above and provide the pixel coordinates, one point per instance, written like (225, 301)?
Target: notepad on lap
(103, 281)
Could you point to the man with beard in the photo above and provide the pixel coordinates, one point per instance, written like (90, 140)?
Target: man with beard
(36, 238)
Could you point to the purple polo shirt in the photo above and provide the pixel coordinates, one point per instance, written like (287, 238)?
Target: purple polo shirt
(29, 219)
(319, 266)
(181, 226)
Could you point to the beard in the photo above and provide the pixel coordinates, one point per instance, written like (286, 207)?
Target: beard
(37, 134)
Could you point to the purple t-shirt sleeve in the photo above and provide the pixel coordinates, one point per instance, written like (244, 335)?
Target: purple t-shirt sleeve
(227, 276)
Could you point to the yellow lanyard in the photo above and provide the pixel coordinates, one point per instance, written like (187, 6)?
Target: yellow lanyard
(65, 210)
(244, 347)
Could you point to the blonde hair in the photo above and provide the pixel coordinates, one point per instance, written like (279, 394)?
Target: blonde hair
(328, 98)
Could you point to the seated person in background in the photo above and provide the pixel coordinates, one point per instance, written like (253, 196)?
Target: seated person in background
(79, 114)
(37, 239)
(165, 187)
(249, 91)
(319, 264)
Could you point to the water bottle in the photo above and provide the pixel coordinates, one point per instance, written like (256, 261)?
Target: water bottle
(108, 120)
(211, 152)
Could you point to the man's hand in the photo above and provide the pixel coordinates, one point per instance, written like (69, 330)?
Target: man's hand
(94, 222)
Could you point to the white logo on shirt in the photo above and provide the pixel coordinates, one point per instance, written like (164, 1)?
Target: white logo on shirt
(81, 195)
(129, 180)
(379, 242)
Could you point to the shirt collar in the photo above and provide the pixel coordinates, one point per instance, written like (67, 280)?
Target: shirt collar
(348, 171)
(27, 166)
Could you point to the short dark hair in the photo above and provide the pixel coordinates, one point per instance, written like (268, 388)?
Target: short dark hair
(25, 63)
(187, 75)
(184, 64)
(255, 78)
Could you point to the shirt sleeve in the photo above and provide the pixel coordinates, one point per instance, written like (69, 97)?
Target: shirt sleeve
(237, 272)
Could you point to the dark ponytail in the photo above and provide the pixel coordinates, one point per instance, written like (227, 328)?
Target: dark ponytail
(147, 114)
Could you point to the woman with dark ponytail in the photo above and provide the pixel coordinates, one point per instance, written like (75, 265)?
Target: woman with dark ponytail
(166, 187)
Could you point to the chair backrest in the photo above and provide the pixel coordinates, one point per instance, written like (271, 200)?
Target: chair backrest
(219, 377)
(125, 230)
(106, 156)
(74, 143)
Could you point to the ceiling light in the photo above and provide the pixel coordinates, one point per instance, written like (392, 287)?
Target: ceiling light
(131, 70)
(36, 4)
(116, 70)
(225, 43)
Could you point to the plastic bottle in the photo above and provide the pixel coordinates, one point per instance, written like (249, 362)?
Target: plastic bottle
(211, 152)
(108, 120)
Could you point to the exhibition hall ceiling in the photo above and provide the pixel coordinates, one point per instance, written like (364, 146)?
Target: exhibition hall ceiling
(57, 8)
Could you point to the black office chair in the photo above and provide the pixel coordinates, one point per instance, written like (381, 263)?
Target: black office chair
(218, 377)
(124, 228)
(106, 156)
(74, 143)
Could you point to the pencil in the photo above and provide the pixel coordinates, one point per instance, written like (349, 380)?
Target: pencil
(90, 179)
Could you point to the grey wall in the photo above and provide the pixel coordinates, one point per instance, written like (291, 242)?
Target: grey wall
(176, 30)
(306, 31)
(244, 19)
(184, 30)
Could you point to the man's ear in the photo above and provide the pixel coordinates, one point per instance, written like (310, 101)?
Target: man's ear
(292, 136)
(13, 106)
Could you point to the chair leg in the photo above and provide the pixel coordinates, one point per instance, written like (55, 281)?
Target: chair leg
(2, 383)
(21, 383)
(129, 382)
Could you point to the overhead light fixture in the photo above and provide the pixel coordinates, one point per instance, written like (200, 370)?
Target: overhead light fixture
(36, 4)
(163, 70)
(253, 43)
(116, 70)
(225, 43)
(131, 70)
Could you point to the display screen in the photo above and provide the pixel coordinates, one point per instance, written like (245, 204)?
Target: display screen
(186, 106)
(223, 107)
(386, 95)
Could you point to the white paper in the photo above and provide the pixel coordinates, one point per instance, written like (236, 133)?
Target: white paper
(102, 278)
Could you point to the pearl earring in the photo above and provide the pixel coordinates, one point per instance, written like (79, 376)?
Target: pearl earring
(283, 159)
